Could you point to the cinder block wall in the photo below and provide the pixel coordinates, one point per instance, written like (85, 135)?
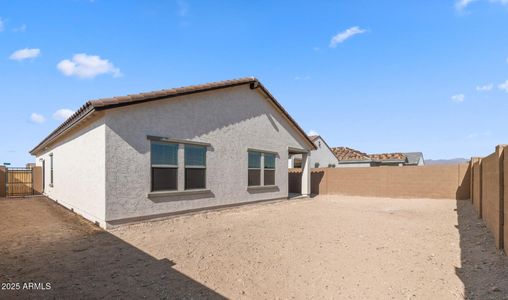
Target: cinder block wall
(476, 185)
(438, 182)
(505, 199)
(3, 174)
(491, 193)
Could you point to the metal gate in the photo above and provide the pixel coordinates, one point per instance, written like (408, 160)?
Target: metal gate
(19, 182)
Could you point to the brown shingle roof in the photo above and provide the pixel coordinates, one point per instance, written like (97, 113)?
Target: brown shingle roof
(388, 156)
(345, 153)
(107, 103)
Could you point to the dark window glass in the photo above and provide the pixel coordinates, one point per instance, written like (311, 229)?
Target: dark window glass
(269, 161)
(51, 169)
(195, 178)
(164, 179)
(269, 177)
(298, 163)
(164, 154)
(195, 167)
(254, 177)
(316, 165)
(195, 155)
(254, 160)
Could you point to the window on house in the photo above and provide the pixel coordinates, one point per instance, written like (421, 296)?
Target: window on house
(164, 157)
(269, 170)
(51, 169)
(316, 165)
(298, 163)
(254, 168)
(195, 167)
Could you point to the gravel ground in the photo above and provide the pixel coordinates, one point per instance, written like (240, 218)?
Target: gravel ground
(324, 247)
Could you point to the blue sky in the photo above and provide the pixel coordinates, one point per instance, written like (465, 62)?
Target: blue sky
(378, 76)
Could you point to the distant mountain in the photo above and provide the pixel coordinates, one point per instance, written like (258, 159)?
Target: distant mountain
(452, 161)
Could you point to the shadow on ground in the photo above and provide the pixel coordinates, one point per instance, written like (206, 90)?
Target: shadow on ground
(42, 242)
(484, 271)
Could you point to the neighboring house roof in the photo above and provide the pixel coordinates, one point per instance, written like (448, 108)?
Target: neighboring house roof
(106, 103)
(349, 154)
(392, 157)
(413, 157)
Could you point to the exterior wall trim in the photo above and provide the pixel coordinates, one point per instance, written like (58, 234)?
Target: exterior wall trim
(297, 151)
(262, 151)
(180, 193)
(159, 217)
(176, 141)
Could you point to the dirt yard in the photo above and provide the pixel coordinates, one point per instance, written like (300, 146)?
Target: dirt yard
(335, 247)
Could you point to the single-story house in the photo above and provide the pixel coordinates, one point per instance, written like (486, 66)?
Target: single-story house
(414, 159)
(351, 158)
(322, 157)
(148, 155)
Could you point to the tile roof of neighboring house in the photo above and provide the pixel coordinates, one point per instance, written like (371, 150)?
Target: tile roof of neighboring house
(388, 156)
(107, 103)
(413, 157)
(348, 154)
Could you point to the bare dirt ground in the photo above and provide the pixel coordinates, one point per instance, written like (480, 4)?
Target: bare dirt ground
(324, 247)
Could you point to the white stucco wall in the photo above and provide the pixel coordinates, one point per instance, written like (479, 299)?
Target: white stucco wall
(231, 120)
(78, 171)
(322, 155)
(354, 165)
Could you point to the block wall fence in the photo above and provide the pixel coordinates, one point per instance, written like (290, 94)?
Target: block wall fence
(489, 188)
(435, 182)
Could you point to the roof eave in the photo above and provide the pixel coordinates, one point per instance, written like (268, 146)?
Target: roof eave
(107, 103)
(85, 111)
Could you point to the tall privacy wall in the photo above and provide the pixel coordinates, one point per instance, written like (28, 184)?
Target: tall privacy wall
(437, 182)
(489, 187)
(3, 177)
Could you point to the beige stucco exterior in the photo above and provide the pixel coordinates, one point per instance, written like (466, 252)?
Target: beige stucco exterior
(103, 170)
(79, 171)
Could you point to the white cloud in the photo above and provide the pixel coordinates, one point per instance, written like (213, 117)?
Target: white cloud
(2, 24)
(344, 35)
(503, 86)
(62, 114)
(183, 8)
(484, 88)
(306, 77)
(462, 4)
(26, 53)
(458, 98)
(503, 2)
(21, 28)
(37, 118)
(83, 65)
(312, 132)
(475, 135)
